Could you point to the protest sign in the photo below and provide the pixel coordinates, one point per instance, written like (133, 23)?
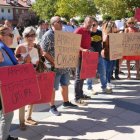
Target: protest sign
(89, 65)
(119, 24)
(46, 85)
(137, 14)
(115, 46)
(131, 44)
(124, 44)
(67, 47)
(19, 86)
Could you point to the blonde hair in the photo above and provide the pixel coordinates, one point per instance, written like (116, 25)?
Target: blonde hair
(27, 30)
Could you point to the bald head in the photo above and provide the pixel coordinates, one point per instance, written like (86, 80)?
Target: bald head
(54, 19)
(56, 23)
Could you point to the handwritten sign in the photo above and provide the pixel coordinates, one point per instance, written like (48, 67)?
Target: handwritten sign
(89, 65)
(67, 47)
(124, 44)
(19, 86)
(137, 14)
(115, 46)
(46, 85)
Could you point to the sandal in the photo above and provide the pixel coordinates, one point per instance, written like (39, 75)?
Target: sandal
(22, 126)
(31, 121)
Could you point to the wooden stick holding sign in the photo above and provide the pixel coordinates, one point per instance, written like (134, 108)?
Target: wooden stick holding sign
(67, 47)
(89, 65)
(46, 86)
(19, 86)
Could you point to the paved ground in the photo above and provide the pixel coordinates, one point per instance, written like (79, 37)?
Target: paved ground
(107, 117)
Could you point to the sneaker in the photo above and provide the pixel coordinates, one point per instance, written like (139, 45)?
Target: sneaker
(11, 138)
(69, 105)
(53, 110)
(106, 90)
(117, 78)
(93, 92)
(121, 73)
(85, 97)
(80, 102)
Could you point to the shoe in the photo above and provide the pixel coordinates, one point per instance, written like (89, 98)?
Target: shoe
(80, 102)
(31, 121)
(69, 105)
(121, 73)
(117, 78)
(106, 90)
(11, 138)
(112, 78)
(53, 110)
(22, 126)
(85, 97)
(93, 92)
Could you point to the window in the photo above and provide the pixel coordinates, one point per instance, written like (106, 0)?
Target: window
(16, 11)
(9, 11)
(2, 10)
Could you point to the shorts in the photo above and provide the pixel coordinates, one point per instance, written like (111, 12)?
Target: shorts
(62, 79)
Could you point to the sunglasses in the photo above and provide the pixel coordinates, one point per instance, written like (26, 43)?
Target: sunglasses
(94, 25)
(130, 22)
(10, 35)
(30, 35)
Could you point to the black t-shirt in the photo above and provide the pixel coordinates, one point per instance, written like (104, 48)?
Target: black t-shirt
(96, 41)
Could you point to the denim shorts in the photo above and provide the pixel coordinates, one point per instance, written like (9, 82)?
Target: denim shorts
(62, 79)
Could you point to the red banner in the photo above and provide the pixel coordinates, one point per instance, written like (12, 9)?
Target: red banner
(46, 85)
(89, 65)
(137, 14)
(19, 86)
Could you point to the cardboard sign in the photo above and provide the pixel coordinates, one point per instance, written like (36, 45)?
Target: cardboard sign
(119, 24)
(67, 47)
(89, 65)
(46, 85)
(131, 44)
(137, 14)
(19, 86)
(115, 46)
(124, 44)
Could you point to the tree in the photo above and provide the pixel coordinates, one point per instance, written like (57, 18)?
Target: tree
(45, 9)
(67, 8)
(117, 8)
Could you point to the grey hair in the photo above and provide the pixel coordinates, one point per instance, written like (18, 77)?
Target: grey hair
(27, 30)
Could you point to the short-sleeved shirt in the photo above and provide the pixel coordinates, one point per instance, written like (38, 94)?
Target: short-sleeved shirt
(96, 41)
(86, 39)
(47, 45)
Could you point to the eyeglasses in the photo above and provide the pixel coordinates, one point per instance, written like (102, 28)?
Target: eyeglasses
(59, 22)
(94, 25)
(10, 35)
(30, 35)
(130, 22)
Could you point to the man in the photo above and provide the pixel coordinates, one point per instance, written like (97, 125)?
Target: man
(85, 46)
(62, 75)
(96, 46)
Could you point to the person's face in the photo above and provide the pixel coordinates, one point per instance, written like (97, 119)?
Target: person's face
(88, 23)
(30, 37)
(7, 37)
(130, 24)
(58, 24)
(94, 26)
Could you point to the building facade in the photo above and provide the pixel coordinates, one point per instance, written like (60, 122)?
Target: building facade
(12, 9)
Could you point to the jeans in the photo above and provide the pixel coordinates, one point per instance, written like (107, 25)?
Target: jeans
(102, 74)
(109, 65)
(5, 124)
(78, 87)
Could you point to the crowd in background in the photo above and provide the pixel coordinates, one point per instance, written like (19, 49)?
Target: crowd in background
(36, 45)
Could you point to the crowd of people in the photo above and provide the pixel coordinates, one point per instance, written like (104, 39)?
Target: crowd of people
(36, 46)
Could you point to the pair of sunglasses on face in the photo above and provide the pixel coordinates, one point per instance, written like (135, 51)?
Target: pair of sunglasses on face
(9, 34)
(130, 22)
(30, 35)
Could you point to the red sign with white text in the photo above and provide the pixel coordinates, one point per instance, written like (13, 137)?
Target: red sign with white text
(46, 85)
(89, 65)
(19, 86)
(137, 14)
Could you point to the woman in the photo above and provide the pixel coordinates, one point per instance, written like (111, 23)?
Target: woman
(132, 29)
(6, 59)
(27, 53)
